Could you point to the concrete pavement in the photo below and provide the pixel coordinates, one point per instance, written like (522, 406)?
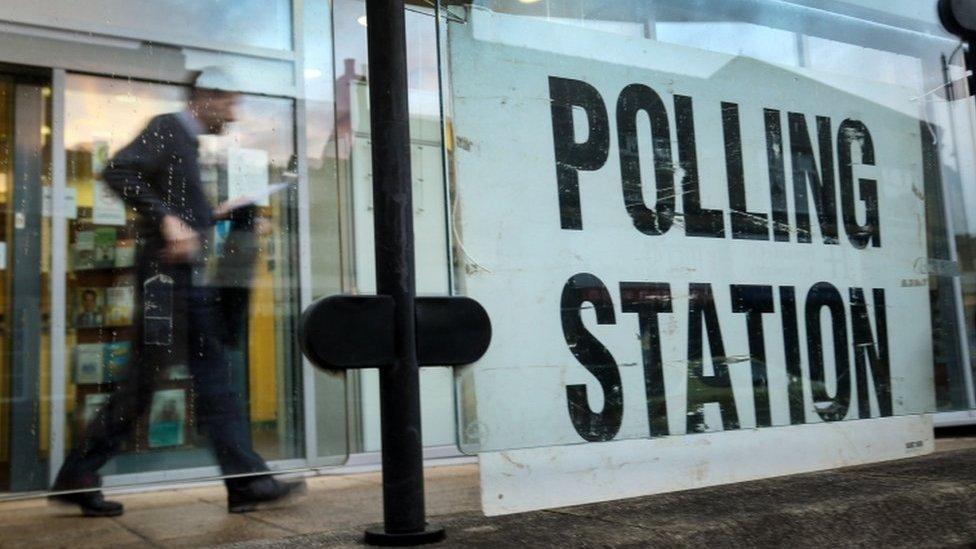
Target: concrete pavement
(921, 502)
(197, 516)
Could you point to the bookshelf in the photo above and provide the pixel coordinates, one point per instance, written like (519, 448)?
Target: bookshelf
(101, 308)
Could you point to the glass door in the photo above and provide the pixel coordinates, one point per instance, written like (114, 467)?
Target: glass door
(24, 279)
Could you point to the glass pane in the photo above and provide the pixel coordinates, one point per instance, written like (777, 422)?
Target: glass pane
(701, 217)
(257, 23)
(169, 202)
(430, 226)
(326, 251)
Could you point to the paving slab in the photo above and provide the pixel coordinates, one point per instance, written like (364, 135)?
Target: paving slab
(53, 529)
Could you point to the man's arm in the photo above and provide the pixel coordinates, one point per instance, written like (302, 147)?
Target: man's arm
(130, 174)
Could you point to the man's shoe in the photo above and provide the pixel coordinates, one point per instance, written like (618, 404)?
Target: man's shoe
(260, 492)
(92, 504)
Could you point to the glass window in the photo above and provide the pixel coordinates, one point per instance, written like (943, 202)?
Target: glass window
(628, 176)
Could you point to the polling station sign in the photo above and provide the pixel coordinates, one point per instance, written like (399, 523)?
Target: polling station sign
(672, 241)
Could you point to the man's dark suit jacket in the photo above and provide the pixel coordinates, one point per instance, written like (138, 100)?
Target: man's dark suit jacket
(158, 174)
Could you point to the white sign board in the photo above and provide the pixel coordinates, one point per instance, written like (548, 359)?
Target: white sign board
(672, 241)
(247, 174)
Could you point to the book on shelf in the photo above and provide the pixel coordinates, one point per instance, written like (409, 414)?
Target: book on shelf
(116, 356)
(93, 403)
(88, 307)
(125, 253)
(89, 364)
(83, 250)
(99, 157)
(167, 418)
(119, 305)
(97, 363)
(105, 247)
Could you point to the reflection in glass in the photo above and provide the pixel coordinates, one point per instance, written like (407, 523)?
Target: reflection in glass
(132, 319)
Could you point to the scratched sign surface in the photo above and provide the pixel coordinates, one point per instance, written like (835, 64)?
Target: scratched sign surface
(672, 241)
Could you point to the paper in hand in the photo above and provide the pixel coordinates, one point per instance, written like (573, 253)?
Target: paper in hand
(258, 197)
(268, 191)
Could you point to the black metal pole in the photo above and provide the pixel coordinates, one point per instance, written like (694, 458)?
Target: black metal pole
(403, 473)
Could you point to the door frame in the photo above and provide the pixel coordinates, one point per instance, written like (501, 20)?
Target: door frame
(24, 238)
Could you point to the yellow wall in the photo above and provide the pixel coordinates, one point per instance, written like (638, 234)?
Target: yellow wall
(262, 353)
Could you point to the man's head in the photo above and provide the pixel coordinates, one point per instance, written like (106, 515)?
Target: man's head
(213, 99)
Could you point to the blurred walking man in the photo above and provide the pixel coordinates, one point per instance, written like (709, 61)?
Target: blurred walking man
(158, 175)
